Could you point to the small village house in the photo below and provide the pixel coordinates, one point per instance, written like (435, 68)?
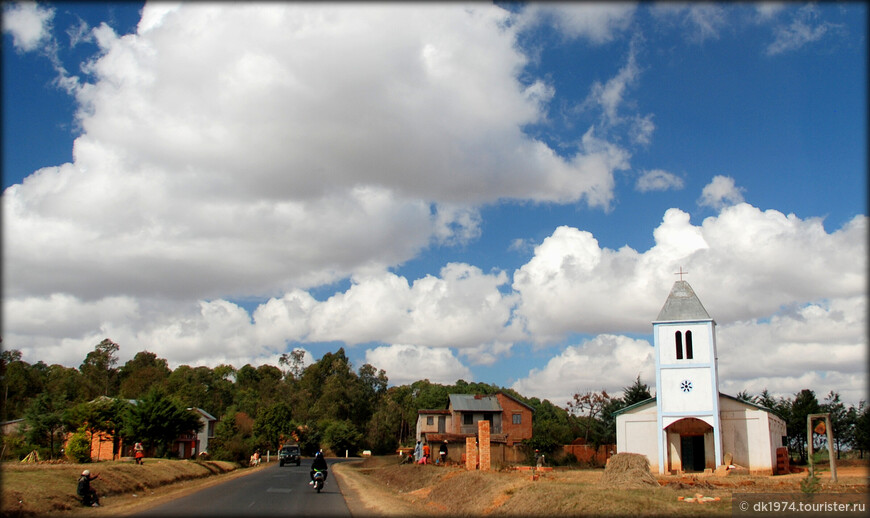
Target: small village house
(510, 422)
(104, 446)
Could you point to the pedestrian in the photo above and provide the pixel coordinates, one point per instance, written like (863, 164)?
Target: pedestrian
(539, 459)
(442, 451)
(86, 493)
(418, 452)
(139, 452)
(426, 453)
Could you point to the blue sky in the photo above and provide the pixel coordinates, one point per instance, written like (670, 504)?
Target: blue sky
(447, 191)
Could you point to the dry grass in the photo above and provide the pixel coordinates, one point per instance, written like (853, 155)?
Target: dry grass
(382, 487)
(40, 489)
(628, 470)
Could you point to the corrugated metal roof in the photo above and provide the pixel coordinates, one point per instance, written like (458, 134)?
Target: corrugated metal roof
(682, 304)
(472, 403)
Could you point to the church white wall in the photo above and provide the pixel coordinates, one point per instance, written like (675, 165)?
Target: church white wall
(668, 345)
(750, 434)
(637, 432)
(698, 399)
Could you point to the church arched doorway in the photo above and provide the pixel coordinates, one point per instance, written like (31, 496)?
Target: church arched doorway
(690, 445)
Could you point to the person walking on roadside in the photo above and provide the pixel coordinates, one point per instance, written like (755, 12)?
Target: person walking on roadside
(425, 453)
(442, 452)
(418, 452)
(139, 452)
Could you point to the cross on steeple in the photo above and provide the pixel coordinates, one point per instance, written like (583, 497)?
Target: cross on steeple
(681, 273)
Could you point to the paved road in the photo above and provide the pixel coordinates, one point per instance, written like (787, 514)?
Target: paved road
(270, 491)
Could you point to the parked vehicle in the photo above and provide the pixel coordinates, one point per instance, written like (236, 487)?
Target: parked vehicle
(289, 454)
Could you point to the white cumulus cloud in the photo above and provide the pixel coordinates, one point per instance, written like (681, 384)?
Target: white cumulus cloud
(658, 180)
(721, 192)
(28, 23)
(405, 364)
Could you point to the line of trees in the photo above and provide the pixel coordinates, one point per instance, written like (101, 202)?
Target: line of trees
(327, 405)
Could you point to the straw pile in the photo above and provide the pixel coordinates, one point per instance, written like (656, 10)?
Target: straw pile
(628, 470)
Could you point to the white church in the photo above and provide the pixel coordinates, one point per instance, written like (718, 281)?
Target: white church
(689, 425)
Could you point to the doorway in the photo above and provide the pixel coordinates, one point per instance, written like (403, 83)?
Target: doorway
(692, 452)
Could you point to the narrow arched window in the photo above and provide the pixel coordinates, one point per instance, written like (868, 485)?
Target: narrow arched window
(679, 338)
(688, 345)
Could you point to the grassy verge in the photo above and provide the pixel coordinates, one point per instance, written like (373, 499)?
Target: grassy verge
(386, 488)
(41, 489)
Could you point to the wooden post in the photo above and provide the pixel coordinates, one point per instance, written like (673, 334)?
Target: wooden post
(810, 443)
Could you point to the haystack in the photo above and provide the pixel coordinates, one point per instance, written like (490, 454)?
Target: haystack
(628, 470)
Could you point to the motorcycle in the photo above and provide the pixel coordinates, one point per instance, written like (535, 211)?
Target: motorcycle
(319, 479)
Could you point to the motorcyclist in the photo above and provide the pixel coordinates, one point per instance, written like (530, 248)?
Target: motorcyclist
(319, 464)
(89, 496)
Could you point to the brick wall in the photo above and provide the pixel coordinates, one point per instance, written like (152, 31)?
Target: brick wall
(514, 432)
(483, 435)
(587, 454)
(470, 453)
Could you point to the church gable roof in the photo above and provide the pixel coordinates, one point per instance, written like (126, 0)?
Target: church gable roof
(682, 304)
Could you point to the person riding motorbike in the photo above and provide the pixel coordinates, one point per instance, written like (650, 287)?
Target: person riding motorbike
(319, 464)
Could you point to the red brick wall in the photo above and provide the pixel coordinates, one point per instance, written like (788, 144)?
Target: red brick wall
(483, 435)
(587, 454)
(514, 432)
(470, 453)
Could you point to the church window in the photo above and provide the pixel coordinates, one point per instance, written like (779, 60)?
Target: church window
(679, 338)
(688, 345)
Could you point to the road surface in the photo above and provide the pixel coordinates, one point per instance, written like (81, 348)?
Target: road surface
(270, 491)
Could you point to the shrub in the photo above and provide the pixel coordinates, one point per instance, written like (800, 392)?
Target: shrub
(78, 449)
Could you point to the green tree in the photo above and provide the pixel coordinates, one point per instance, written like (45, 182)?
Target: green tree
(551, 427)
(45, 422)
(341, 436)
(384, 431)
(99, 371)
(141, 373)
(157, 420)
(636, 392)
(13, 372)
(861, 434)
(839, 419)
(65, 382)
(274, 425)
(202, 387)
(295, 363)
(233, 440)
(804, 404)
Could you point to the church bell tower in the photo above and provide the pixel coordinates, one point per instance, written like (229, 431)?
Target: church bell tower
(687, 383)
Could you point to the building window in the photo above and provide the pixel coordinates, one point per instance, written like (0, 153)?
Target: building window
(430, 420)
(679, 338)
(688, 345)
(467, 419)
(518, 419)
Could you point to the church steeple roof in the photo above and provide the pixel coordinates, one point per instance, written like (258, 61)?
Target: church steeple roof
(682, 304)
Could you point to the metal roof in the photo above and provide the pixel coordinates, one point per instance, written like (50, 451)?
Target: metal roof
(473, 403)
(682, 304)
(652, 400)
